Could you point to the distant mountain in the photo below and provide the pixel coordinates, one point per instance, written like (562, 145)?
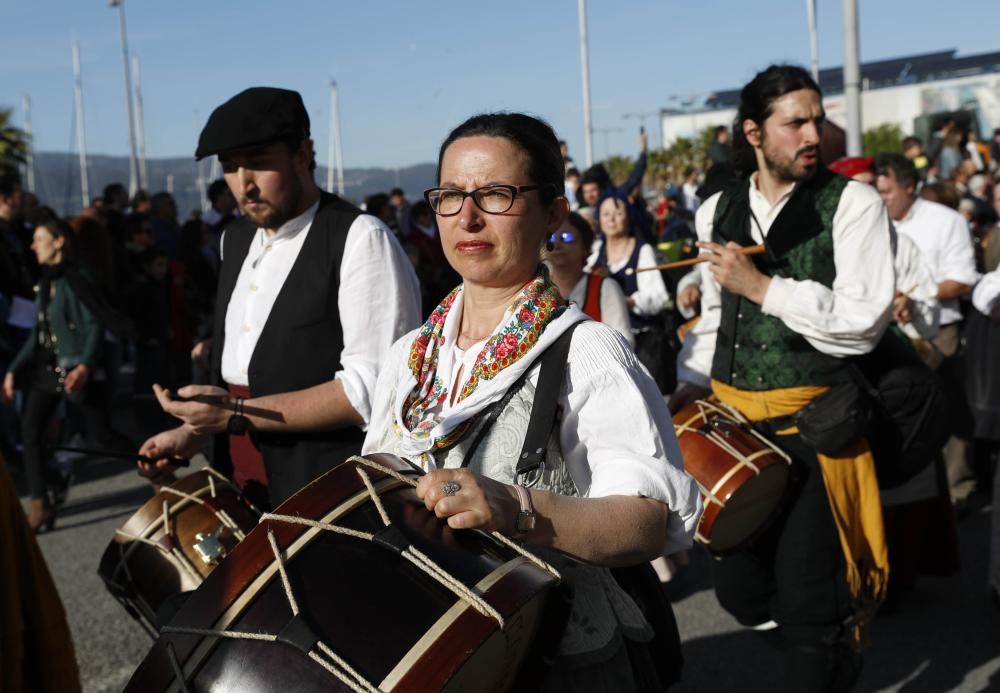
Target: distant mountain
(57, 179)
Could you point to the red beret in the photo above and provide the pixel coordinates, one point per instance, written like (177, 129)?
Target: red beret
(851, 166)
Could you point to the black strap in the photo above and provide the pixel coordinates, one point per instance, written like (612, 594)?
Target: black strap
(543, 407)
(491, 415)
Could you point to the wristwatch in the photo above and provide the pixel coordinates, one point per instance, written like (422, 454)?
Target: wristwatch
(526, 517)
(238, 424)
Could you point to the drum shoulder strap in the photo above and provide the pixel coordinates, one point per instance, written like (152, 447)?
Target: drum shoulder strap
(543, 407)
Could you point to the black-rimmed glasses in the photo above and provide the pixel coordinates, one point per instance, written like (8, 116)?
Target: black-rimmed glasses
(492, 199)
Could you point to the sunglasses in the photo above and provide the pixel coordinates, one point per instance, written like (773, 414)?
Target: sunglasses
(566, 237)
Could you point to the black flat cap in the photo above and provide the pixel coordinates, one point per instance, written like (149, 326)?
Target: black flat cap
(257, 116)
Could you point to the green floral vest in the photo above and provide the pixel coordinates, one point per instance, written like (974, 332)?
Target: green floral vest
(755, 351)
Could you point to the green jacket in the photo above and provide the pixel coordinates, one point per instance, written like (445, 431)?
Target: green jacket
(76, 332)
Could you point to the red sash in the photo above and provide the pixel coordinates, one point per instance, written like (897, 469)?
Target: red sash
(248, 462)
(592, 304)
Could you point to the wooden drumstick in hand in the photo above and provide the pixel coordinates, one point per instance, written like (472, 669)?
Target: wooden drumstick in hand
(746, 250)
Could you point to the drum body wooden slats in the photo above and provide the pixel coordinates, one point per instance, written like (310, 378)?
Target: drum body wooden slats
(742, 475)
(394, 624)
(147, 563)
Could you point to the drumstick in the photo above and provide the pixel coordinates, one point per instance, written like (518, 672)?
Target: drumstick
(746, 250)
(133, 456)
(219, 401)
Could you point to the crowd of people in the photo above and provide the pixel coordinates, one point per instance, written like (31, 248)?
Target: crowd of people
(416, 324)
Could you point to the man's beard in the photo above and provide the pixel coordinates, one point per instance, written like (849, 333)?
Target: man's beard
(791, 170)
(273, 216)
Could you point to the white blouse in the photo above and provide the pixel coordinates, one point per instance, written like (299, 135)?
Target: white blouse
(651, 297)
(614, 310)
(615, 434)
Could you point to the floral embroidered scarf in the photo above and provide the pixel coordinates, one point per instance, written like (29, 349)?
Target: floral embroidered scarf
(535, 306)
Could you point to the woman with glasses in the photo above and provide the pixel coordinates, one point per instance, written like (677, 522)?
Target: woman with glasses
(621, 254)
(603, 486)
(566, 254)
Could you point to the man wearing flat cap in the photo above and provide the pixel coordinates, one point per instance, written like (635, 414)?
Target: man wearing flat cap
(312, 292)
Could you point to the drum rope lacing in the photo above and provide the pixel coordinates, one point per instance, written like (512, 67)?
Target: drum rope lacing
(337, 666)
(345, 673)
(722, 443)
(496, 535)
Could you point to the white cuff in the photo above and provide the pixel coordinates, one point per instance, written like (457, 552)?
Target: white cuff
(778, 296)
(357, 395)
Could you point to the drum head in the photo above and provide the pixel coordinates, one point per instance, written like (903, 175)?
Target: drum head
(749, 509)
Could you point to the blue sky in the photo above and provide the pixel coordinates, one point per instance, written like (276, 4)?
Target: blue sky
(409, 71)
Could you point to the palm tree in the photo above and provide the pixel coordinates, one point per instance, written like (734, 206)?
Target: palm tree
(13, 144)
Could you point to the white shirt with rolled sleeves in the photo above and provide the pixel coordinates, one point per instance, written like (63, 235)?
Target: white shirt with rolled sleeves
(615, 433)
(378, 300)
(942, 234)
(845, 320)
(914, 278)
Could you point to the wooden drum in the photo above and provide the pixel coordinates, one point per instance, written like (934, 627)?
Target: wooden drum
(351, 584)
(742, 475)
(173, 541)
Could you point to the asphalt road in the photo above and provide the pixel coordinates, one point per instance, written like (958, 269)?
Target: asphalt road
(945, 637)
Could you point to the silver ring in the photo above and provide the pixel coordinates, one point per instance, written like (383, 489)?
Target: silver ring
(450, 488)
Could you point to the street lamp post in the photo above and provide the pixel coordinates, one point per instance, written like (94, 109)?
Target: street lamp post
(140, 125)
(852, 77)
(133, 165)
(813, 40)
(336, 155)
(81, 130)
(588, 130)
(29, 158)
(199, 179)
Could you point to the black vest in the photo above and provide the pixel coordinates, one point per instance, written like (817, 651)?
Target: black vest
(755, 351)
(299, 346)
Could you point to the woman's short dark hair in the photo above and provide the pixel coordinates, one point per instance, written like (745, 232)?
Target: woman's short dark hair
(531, 135)
(620, 199)
(756, 99)
(583, 230)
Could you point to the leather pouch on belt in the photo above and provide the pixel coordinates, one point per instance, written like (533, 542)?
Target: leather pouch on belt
(830, 422)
